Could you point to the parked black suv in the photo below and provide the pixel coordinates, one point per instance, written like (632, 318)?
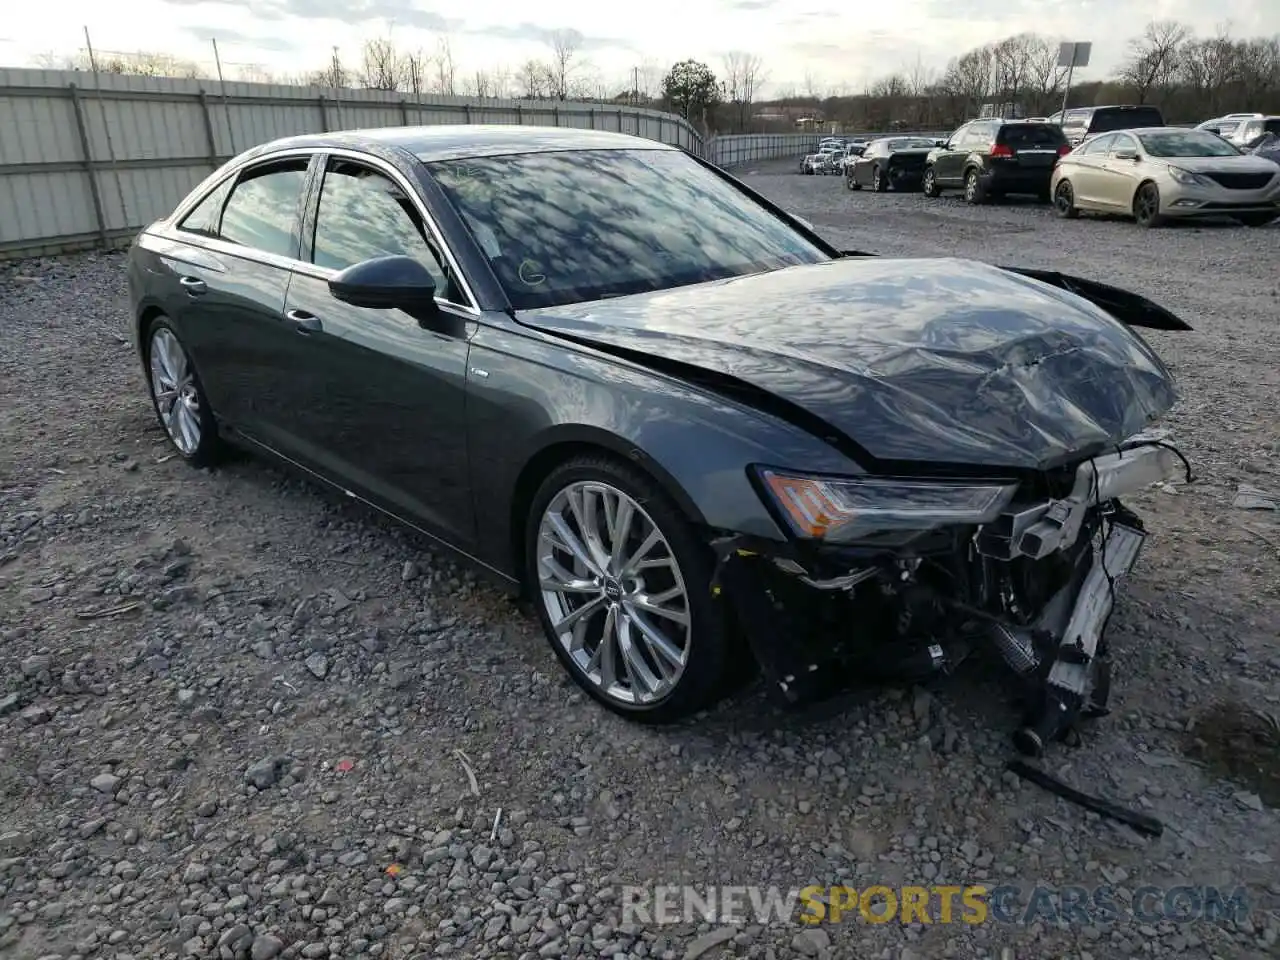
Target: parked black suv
(991, 158)
(1080, 123)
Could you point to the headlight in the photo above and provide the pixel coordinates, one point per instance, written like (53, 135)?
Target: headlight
(842, 509)
(1187, 178)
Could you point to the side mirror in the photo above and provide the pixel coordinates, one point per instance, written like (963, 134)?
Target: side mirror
(386, 283)
(941, 143)
(1126, 154)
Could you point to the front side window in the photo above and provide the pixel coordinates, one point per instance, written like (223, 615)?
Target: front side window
(1175, 142)
(262, 212)
(575, 226)
(364, 214)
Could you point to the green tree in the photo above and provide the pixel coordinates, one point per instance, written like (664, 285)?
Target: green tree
(690, 87)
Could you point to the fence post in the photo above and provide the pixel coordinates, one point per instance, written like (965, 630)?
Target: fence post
(662, 129)
(555, 112)
(636, 117)
(466, 112)
(404, 112)
(94, 190)
(620, 130)
(208, 129)
(520, 115)
(591, 114)
(324, 115)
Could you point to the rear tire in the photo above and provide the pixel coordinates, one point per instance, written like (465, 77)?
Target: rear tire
(178, 397)
(572, 498)
(879, 182)
(973, 191)
(1064, 201)
(850, 182)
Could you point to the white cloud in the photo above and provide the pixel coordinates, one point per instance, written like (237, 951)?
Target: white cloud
(838, 44)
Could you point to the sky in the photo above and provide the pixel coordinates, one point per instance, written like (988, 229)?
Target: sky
(835, 45)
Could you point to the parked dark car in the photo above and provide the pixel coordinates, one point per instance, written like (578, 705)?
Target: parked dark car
(989, 159)
(691, 432)
(1081, 123)
(895, 162)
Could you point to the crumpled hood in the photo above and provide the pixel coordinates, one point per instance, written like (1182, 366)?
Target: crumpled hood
(917, 362)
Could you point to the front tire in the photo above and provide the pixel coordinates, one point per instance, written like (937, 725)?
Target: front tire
(178, 397)
(621, 583)
(929, 185)
(1146, 206)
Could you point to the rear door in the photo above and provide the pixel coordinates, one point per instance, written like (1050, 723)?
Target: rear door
(1088, 176)
(242, 241)
(381, 408)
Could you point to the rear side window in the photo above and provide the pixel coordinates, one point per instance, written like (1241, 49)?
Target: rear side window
(1271, 125)
(1021, 136)
(263, 210)
(1126, 119)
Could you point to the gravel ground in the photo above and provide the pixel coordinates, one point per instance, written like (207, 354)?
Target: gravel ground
(237, 715)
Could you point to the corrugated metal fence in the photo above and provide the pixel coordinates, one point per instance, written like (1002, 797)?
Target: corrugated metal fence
(86, 164)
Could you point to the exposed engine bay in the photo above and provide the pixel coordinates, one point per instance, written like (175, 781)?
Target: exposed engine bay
(1036, 583)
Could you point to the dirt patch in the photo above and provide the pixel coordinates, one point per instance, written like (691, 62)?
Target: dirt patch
(1241, 744)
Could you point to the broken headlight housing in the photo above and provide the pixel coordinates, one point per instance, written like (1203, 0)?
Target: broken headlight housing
(848, 509)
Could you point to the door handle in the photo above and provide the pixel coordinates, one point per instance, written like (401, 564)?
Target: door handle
(304, 322)
(194, 286)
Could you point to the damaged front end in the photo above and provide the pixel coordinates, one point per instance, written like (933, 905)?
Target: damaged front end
(902, 579)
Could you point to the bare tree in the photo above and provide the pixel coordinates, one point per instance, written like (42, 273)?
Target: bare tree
(564, 53)
(446, 69)
(1153, 60)
(500, 76)
(416, 68)
(968, 80)
(531, 79)
(742, 75)
(380, 67)
(480, 85)
(1045, 78)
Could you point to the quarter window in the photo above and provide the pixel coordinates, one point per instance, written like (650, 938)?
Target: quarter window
(262, 212)
(206, 218)
(365, 214)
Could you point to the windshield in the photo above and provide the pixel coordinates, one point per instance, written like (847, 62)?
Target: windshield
(911, 143)
(1186, 143)
(569, 227)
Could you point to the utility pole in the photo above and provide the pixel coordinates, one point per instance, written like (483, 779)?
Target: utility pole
(635, 85)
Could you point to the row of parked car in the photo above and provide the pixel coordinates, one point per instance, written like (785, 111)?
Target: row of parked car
(1115, 160)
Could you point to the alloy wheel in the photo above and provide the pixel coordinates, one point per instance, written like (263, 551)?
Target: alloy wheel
(1147, 204)
(613, 592)
(928, 186)
(173, 386)
(1064, 199)
(971, 187)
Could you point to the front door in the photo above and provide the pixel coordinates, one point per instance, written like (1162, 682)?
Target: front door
(379, 404)
(948, 165)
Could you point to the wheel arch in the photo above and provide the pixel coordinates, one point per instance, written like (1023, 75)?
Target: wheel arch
(564, 443)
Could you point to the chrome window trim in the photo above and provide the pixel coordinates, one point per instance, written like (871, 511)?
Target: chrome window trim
(470, 308)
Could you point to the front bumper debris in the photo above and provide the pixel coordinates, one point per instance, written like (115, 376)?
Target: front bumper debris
(1037, 585)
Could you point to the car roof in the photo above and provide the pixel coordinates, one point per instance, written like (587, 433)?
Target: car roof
(452, 141)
